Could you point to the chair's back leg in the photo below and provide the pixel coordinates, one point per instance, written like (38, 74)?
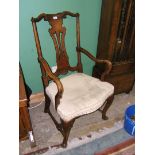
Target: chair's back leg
(47, 110)
(106, 107)
(47, 103)
(66, 131)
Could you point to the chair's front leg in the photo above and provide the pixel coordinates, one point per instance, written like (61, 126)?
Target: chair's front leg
(66, 131)
(106, 107)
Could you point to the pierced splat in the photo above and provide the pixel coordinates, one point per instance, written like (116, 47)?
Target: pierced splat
(57, 32)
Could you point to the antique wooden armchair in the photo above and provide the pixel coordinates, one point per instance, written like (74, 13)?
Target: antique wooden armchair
(77, 94)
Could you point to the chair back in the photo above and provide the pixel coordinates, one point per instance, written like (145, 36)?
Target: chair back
(57, 32)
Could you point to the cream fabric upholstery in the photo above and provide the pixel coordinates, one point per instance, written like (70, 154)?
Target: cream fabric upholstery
(83, 94)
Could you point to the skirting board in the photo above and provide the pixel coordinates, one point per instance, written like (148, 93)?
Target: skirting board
(36, 98)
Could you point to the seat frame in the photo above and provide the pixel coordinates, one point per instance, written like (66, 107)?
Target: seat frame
(57, 32)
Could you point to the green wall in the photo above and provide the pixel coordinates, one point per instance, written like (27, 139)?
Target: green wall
(89, 24)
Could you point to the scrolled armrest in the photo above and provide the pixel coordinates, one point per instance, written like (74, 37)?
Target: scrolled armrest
(108, 64)
(55, 79)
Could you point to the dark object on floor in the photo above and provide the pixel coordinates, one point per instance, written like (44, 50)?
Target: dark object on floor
(125, 148)
(77, 94)
(116, 42)
(129, 124)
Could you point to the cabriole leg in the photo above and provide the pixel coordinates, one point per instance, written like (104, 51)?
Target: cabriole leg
(66, 131)
(106, 107)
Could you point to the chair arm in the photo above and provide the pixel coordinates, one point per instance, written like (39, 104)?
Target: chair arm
(107, 62)
(57, 81)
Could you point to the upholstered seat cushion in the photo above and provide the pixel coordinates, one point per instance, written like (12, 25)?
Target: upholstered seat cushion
(83, 94)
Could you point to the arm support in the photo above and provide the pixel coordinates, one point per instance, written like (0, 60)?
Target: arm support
(55, 79)
(108, 64)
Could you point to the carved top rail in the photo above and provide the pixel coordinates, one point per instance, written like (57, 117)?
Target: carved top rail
(46, 17)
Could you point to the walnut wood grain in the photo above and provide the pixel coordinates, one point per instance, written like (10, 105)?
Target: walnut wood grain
(58, 32)
(55, 79)
(107, 63)
(49, 16)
